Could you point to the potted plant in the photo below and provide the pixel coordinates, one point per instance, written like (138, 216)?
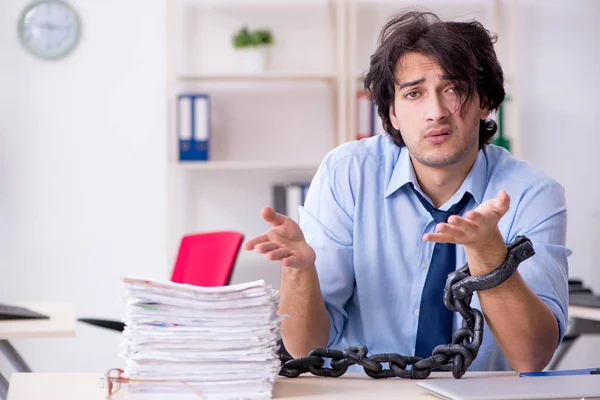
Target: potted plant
(253, 47)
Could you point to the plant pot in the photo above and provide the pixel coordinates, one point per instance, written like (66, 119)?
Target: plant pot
(253, 59)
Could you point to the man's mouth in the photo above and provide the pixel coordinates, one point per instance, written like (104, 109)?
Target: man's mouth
(437, 136)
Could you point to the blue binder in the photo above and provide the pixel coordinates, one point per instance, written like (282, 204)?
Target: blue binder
(193, 126)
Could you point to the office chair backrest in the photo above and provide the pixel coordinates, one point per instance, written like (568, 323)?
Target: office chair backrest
(207, 259)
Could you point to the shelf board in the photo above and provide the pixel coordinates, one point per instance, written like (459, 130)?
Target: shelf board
(247, 165)
(267, 76)
(508, 79)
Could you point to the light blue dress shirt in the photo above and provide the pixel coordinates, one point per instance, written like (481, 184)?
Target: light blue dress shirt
(366, 227)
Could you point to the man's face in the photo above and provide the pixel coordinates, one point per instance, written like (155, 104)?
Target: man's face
(426, 112)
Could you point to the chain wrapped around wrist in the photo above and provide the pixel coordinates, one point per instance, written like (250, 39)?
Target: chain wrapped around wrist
(456, 356)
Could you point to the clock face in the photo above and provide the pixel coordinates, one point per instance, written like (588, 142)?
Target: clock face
(49, 28)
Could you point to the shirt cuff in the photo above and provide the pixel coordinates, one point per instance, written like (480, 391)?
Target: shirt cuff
(559, 313)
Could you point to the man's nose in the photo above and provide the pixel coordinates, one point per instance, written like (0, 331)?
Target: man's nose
(437, 110)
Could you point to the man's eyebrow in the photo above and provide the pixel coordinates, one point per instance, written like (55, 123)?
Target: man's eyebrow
(445, 77)
(411, 83)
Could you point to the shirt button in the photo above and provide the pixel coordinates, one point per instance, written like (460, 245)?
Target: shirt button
(424, 265)
(416, 313)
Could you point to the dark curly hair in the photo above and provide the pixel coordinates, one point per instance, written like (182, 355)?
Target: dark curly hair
(464, 50)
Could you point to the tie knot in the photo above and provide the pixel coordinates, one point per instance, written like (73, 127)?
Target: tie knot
(439, 215)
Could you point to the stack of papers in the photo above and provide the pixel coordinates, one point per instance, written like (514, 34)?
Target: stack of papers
(200, 342)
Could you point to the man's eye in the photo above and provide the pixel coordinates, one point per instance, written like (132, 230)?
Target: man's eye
(454, 89)
(411, 95)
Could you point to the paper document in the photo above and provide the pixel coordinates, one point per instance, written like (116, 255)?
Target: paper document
(220, 342)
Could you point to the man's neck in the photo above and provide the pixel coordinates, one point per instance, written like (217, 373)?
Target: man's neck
(439, 184)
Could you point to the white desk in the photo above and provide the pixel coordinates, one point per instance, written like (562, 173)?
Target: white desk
(582, 320)
(60, 324)
(353, 385)
(589, 313)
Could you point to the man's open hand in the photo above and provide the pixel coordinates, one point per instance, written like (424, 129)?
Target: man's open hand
(478, 232)
(283, 241)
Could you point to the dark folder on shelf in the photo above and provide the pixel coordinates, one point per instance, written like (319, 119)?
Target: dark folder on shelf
(287, 198)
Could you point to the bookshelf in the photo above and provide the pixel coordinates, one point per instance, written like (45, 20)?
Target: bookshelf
(248, 165)
(255, 142)
(260, 77)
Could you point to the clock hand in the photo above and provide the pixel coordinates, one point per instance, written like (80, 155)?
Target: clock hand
(45, 25)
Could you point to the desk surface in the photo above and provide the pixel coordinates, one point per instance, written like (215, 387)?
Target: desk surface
(61, 322)
(356, 385)
(589, 313)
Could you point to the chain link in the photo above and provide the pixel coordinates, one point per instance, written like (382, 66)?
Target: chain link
(456, 356)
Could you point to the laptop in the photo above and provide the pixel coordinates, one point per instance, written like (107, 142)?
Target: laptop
(512, 388)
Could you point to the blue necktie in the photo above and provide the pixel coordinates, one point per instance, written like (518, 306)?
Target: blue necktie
(435, 320)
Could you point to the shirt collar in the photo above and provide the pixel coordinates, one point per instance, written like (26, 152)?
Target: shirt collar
(402, 174)
(475, 182)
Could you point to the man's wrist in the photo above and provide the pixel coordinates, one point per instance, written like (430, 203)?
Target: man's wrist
(487, 257)
(298, 275)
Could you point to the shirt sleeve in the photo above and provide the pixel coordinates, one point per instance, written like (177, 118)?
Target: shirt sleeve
(542, 217)
(326, 220)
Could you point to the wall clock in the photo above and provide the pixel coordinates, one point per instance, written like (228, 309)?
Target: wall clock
(49, 29)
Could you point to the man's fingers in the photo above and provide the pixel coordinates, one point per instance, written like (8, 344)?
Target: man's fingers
(269, 215)
(466, 225)
(474, 225)
(446, 233)
(438, 237)
(494, 208)
(454, 233)
(265, 247)
(476, 217)
(277, 254)
(502, 202)
(291, 261)
(250, 244)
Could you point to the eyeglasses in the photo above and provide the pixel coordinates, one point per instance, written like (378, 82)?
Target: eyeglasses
(114, 378)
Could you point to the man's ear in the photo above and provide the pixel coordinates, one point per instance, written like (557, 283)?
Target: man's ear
(393, 117)
(484, 109)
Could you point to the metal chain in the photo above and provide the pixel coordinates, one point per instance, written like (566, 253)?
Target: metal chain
(456, 356)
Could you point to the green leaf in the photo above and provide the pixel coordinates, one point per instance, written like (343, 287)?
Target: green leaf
(242, 38)
(261, 37)
(246, 38)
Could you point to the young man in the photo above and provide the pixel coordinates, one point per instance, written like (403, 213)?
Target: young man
(360, 267)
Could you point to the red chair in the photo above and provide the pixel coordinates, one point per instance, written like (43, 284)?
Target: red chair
(207, 259)
(204, 259)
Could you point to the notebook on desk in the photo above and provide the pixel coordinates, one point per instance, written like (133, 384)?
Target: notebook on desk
(512, 388)
(9, 312)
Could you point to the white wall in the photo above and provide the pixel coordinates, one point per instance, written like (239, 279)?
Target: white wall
(82, 172)
(559, 86)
